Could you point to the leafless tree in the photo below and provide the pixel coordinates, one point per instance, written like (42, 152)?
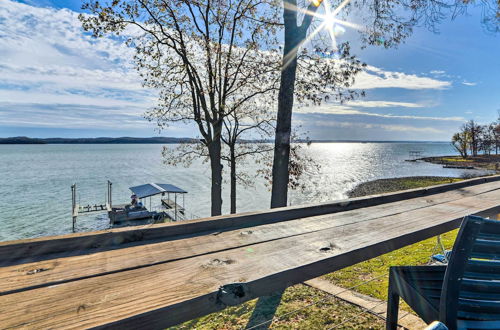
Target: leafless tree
(496, 136)
(474, 131)
(212, 62)
(487, 138)
(460, 141)
(474, 137)
(205, 58)
(245, 135)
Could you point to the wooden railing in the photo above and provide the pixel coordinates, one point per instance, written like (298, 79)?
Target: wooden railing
(161, 275)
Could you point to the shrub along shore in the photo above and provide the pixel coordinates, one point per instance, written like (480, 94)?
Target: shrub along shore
(332, 311)
(483, 162)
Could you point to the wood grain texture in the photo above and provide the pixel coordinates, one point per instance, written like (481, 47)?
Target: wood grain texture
(155, 285)
(23, 251)
(59, 270)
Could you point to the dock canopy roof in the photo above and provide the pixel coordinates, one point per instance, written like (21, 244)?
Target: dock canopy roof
(151, 189)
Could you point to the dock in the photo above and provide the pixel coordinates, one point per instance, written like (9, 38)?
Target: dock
(170, 204)
(414, 155)
(462, 167)
(134, 214)
(156, 276)
(92, 208)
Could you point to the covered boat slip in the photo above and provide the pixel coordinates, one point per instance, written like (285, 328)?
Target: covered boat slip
(151, 189)
(126, 215)
(160, 275)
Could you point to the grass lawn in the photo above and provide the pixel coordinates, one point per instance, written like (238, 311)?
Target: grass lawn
(328, 313)
(331, 311)
(454, 159)
(416, 254)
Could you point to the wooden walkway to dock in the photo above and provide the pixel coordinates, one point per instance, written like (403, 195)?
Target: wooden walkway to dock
(155, 276)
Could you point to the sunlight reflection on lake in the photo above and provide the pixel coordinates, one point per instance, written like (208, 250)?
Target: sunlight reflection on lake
(36, 179)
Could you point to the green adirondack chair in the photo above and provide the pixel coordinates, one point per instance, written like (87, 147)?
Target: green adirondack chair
(465, 294)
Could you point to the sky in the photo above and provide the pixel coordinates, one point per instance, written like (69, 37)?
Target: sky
(57, 81)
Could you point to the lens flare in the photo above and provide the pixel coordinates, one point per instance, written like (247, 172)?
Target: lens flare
(329, 23)
(316, 3)
(338, 30)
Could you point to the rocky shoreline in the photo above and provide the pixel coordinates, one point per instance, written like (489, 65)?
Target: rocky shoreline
(396, 184)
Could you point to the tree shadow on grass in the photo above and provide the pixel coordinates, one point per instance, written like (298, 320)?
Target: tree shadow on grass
(264, 310)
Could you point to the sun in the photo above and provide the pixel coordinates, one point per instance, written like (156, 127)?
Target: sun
(334, 26)
(329, 22)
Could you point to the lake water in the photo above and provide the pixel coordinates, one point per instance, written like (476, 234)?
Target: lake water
(36, 179)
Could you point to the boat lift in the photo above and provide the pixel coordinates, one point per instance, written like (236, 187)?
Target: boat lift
(77, 209)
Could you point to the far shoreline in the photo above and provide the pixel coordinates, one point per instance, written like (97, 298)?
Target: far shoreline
(19, 140)
(479, 162)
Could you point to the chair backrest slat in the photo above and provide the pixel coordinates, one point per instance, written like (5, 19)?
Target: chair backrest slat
(471, 289)
(479, 286)
(471, 309)
(486, 249)
(490, 227)
(487, 267)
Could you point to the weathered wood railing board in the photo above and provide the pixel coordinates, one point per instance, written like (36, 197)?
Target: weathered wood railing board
(286, 262)
(22, 251)
(185, 282)
(60, 270)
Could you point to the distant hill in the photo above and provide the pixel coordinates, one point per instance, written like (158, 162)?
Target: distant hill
(158, 140)
(21, 140)
(99, 140)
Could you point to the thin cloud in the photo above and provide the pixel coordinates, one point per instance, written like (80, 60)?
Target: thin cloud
(374, 77)
(468, 83)
(386, 127)
(383, 104)
(345, 110)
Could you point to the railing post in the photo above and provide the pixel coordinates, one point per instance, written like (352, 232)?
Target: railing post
(175, 205)
(73, 204)
(110, 194)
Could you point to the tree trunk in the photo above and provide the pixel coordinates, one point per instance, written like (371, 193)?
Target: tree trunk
(233, 180)
(216, 168)
(281, 160)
